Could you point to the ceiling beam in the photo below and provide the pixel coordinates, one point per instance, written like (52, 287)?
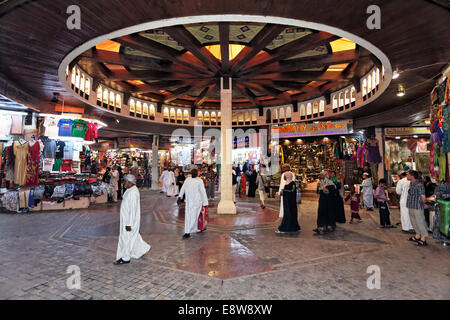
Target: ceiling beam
(177, 93)
(306, 62)
(157, 49)
(122, 75)
(203, 95)
(308, 42)
(284, 96)
(224, 35)
(159, 85)
(301, 76)
(259, 42)
(183, 36)
(248, 93)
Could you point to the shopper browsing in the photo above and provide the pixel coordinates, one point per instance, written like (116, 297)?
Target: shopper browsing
(382, 198)
(367, 192)
(402, 190)
(415, 203)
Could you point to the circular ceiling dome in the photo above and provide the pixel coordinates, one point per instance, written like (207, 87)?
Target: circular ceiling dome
(269, 63)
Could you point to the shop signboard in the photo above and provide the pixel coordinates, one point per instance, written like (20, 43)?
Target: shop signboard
(135, 143)
(406, 131)
(312, 129)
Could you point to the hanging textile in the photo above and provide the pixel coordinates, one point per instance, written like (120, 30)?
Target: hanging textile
(20, 165)
(446, 128)
(33, 159)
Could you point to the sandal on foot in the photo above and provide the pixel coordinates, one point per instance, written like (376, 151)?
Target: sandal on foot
(120, 261)
(414, 239)
(421, 243)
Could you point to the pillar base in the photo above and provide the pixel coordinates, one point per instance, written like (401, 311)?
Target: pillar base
(226, 207)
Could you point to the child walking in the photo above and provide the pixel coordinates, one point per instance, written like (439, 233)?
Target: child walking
(354, 205)
(382, 198)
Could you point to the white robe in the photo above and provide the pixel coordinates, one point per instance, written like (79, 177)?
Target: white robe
(282, 184)
(367, 193)
(167, 178)
(402, 190)
(196, 198)
(131, 244)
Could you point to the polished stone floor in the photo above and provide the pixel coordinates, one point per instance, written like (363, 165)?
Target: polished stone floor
(238, 257)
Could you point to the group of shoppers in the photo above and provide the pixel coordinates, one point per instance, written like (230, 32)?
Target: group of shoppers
(113, 181)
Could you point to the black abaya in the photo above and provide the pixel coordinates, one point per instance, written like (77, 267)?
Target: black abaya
(252, 184)
(326, 216)
(290, 213)
(340, 211)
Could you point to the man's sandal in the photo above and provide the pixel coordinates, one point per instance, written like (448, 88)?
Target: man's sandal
(421, 243)
(414, 239)
(120, 261)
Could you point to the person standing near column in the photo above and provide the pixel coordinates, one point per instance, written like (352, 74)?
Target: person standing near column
(235, 183)
(131, 244)
(367, 192)
(211, 179)
(285, 168)
(402, 190)
(415, 203)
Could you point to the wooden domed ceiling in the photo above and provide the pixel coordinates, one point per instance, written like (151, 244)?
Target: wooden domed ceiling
(269, 63)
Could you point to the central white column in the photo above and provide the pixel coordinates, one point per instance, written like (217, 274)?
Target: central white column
(226, 204)
(155, 162)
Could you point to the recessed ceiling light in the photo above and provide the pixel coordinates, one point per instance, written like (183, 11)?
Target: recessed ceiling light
(395, 74)
(398, 138)
(415, 136)
(117, 120)
(400, 91)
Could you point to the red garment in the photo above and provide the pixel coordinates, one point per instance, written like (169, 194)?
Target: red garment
(66, 165)
(92, 132)
(354, 205)
(33, 159)
(243, 182)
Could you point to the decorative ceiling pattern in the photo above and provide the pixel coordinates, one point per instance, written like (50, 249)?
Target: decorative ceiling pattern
(183, 64)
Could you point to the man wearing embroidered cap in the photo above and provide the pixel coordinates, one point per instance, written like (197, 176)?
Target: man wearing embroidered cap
(367, 192)
(130, 244)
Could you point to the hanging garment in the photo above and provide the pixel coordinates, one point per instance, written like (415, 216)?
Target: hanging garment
(447, 92)
(442, 160)
(446, 128)
(20, 165)
(360, 156)
(374, 154)
(33, 159)
(422, 146)
(24, 195)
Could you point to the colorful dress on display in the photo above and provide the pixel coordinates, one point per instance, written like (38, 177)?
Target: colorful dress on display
(360, 156)
(33, 159)
(374, 153)
(20, 165)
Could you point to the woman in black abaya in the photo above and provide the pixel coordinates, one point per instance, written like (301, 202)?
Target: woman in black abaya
(326, 220)
(252, 183)
(340, 211)
(290, 214)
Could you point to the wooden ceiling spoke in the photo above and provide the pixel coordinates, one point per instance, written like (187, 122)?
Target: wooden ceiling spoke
(204, 95)
(247, 93)
(184, 91)
(224, 35)
(183, 36)
(159, 85)
(123, 75)
(293, 48)
(307, 62)
(302, 76)
(259, 42)
(284, 96)
(156, 49)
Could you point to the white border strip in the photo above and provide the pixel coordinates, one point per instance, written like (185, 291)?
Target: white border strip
(225, 18)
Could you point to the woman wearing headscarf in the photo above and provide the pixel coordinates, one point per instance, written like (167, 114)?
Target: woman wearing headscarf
(290, 216)
(326, 221)
(340, 211)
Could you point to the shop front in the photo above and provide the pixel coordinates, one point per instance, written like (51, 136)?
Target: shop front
(311, 148)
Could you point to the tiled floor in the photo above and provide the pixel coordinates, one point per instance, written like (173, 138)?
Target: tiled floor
(238, 257)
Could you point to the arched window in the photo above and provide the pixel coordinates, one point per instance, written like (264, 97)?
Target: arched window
(374, 79)
(206, 117)
(347, 98)
(186, 116)
(377, 77)
(274, 115)
(200, 116)
(309, 110)
(288, 114)
(166, 114)
(353, 95)
(281, 113)
(118, 102)
(145, 110)
(219, 117)
(73, 76)
(152, 111)
(254, 117)
(248, 120)
(364, 88)
(335, 103)
(213, 118)
(112, 100)
(105, 98)
(99, 95)
(268, 116)
(234, 118)
(341, 101)
(316, 108)
(138, 109)
(369, 83)
(302, 112)
(179, 116)
(322, 108)
(241, 117)
(77, 80)
(172, 115)
(82, 82)
(132, 107)
(87, 87)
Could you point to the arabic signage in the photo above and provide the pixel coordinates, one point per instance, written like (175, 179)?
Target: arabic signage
(406, 131)
(135, 143)
(313, 129)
